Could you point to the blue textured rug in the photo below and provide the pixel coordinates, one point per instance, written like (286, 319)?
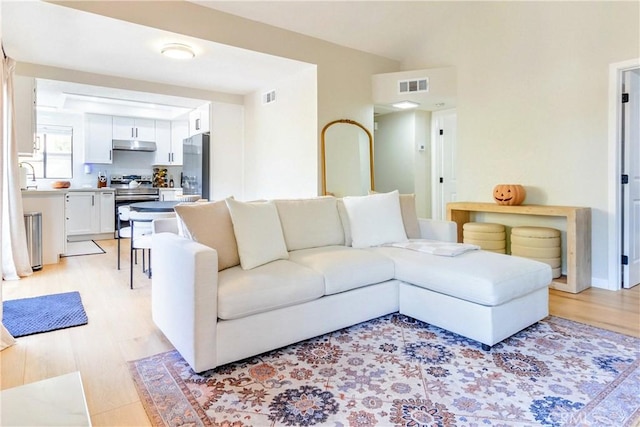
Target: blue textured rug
(46, 313)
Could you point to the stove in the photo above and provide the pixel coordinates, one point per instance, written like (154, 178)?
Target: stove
(145, 191)
(124, 195)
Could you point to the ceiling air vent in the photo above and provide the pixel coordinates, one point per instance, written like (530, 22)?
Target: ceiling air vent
(414, 85)
(269, 97)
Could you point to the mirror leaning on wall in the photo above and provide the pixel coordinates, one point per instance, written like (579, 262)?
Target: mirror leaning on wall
(347, 159)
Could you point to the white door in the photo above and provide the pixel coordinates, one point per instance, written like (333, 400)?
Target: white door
(631, 170)
(443, 147)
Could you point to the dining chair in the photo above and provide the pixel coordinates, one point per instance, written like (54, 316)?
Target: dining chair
(141, 230)
(125, 232)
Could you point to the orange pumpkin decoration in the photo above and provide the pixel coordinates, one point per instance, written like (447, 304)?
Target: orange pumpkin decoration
(509, 194)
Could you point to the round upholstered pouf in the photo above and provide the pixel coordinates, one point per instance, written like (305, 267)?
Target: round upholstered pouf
(540, 244)
(489, 236)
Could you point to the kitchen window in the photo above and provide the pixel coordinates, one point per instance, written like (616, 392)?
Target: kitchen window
(53, 154)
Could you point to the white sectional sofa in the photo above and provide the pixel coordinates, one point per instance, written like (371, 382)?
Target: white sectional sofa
(240, 279)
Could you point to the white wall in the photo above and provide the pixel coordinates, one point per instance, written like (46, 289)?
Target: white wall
(227, 151)
(399, 164)
(533, 98)
(280, 140)
(394, 148)
(422, 164)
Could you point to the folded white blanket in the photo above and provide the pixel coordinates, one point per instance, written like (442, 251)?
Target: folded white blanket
(435, 247)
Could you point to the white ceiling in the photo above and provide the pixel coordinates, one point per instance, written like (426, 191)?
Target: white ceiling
(395, 29)
(44, 33)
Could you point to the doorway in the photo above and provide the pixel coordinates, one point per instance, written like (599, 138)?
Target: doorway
(624, 176)
(443, 168)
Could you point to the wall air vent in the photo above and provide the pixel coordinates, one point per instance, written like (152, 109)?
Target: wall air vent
(269, 97)
(413, 85)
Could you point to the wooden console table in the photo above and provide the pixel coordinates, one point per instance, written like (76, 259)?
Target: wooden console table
(578, 255)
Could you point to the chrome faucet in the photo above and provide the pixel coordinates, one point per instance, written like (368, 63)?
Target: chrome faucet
(33, 174)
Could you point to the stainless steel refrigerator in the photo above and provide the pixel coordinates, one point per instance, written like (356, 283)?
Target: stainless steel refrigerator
(196, 165)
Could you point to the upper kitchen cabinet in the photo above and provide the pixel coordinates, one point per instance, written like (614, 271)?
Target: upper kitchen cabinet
(25, 114)
(169, 137)
(199, 120)
(128, 128)
(98, 138)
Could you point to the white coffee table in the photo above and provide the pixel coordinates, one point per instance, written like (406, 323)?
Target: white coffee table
(58, 401)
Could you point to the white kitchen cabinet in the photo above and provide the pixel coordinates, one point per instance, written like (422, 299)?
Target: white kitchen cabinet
(90, 213)
(129, 128)
(82, 213)
(199, 120)
(25, 114)
(169, 136)
(107, 211)
(179, 131)
(98, 139)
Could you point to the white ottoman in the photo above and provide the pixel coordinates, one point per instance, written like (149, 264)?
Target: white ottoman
(479, 294)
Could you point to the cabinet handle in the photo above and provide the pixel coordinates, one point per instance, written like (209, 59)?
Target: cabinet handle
(93, 201)
(136, 132)
(197, 124)
(109, 154)
(168, 157)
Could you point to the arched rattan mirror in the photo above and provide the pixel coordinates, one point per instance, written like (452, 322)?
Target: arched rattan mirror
(347, 159)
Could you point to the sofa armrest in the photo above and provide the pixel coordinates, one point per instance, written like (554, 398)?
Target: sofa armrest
(445, 231)
(184, 297)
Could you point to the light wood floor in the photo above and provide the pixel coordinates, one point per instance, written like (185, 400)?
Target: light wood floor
(120, 329)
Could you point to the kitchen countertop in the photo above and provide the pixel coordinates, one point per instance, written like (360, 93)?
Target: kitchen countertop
(64, 190)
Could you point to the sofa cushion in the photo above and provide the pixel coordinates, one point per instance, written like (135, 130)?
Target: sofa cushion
(375, 219)
(410, 216)
(210, 224)
(345, 268)
(268, 287)
(258, 232)
(344, 219)
(481, 277)
(310, 223)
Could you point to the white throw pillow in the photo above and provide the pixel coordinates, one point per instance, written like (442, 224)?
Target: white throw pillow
(258, 233)
(375, 219)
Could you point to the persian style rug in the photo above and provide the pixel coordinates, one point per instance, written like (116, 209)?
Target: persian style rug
(45, 313)
(396, 371)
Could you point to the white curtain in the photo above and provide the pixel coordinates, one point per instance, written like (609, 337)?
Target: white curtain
(15, 254)
(6, 131)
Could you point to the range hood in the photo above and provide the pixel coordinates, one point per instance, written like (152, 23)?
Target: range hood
(133, 145)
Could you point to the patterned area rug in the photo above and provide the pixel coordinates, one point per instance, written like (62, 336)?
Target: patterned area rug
(45, 313)
(396, 371)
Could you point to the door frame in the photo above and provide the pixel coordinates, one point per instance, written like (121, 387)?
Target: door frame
(615, 170)
(438, 208)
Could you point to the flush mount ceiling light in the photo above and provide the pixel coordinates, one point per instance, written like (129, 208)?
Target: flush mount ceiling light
(178, 51)
(405, 105)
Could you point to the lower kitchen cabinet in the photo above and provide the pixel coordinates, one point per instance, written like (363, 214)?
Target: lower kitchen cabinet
(107, 212)
(90, 215)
